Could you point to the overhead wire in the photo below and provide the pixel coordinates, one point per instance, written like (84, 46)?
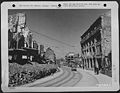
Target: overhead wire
(52, 38)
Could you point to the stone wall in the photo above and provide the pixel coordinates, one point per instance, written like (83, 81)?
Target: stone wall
(106, 35)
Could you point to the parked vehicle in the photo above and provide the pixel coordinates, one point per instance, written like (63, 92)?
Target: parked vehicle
(73, 69)
(73, 66)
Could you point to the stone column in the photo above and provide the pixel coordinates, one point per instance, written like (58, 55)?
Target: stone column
(92, 63)
(95, 50)
(83, 63)
(92, 54)
(91, 48)
(86, 63)
(95, 41)
(89, 55)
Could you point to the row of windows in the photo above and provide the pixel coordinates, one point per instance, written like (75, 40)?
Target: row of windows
(92, 50)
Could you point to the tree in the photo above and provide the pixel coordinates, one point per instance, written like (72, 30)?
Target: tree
(50, 55)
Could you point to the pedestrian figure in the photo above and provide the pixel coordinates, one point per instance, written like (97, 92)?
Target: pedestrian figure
(83, 66)
(97, 67)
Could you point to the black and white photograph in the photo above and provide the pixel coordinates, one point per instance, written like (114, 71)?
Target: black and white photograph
(59, 48)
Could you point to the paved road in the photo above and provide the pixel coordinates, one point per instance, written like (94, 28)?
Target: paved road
(67, 79)
(88, 80)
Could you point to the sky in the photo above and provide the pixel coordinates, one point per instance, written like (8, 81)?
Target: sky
(60, 29)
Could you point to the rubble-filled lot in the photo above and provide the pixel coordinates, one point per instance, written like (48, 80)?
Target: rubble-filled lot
(23, 74)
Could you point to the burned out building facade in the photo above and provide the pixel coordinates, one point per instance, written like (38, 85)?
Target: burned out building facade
(96, 45)
(21, 43)
(19, 35)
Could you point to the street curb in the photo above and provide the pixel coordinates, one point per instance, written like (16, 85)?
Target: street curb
(42, 80)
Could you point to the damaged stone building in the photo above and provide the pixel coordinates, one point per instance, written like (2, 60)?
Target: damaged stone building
(21, 43)
(19, 34)
(96, 45)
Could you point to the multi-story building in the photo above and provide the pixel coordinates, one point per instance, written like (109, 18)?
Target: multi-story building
(19, 34)
(20, 39)
(72, 59)
(96, 44)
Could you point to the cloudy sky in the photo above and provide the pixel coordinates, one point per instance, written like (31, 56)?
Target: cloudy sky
(60, 29)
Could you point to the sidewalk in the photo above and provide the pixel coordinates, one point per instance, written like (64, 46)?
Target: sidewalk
(102, 80)
(44, 79)
(87, 80)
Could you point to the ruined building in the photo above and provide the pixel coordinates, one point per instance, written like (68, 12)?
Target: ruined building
(96, 45)
(19, 35)
(21, 44)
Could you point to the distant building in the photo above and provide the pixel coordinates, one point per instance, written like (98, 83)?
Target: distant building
(61, 62)
(70, 55)
(72, 58)
(96, 43)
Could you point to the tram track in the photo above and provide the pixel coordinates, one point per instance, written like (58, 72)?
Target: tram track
(67, 79)
(71, 75)
(55, 80)
(73, 81)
